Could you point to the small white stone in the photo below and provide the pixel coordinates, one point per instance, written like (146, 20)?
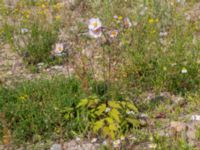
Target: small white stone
(40, 64)
(181, 1)
(163, 34)
(116, 143)
(188, 17)
(122, 138)
(56, 147)
(152, 146)
(173, 64)
(135, 23)
(195, 117)
(94, 140)
(57, 67)
(24, 30)
(104, 142)
(132, 137)
(143, 116)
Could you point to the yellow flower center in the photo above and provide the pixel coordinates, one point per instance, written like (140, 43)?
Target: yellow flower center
(60, 49)
(113, 33)
(97, 31)
(126, 23)
(95, 24)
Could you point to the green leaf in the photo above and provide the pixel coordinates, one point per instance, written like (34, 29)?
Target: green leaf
(68, 116)
(132, 121)
(101, 109)
(114, 113)
(92, 103)
(69, 109)
(109, 120)
(113, 127)
(108, 132)
(92, 115)
(123, 104)
(83, 103)
(98, 125)
(132, 107)
(114, 104)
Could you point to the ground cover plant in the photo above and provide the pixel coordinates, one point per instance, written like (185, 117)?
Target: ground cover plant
(132, 72)
(33, 110)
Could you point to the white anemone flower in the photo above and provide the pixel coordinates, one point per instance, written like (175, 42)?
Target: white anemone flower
(127, 23)
(95, 33)
(59, 48)
(113, 33)
(94, 24)
(95, 27)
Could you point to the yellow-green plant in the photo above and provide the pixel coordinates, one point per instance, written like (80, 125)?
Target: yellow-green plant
(110, 119)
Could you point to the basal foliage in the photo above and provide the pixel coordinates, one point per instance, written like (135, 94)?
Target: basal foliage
(109, 119)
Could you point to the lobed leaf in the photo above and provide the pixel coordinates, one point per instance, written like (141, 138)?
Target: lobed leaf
(114, 104)
(101, 109)
(115, 114)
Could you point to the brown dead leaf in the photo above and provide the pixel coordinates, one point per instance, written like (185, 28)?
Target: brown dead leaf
(160, 115)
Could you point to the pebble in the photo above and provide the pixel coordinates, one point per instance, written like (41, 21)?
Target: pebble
(73, 145)
(152, 146)
(56, 147)
(116, 143)
(94, 140)
(195, 117)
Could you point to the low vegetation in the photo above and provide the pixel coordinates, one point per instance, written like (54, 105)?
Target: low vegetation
(118, 50)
